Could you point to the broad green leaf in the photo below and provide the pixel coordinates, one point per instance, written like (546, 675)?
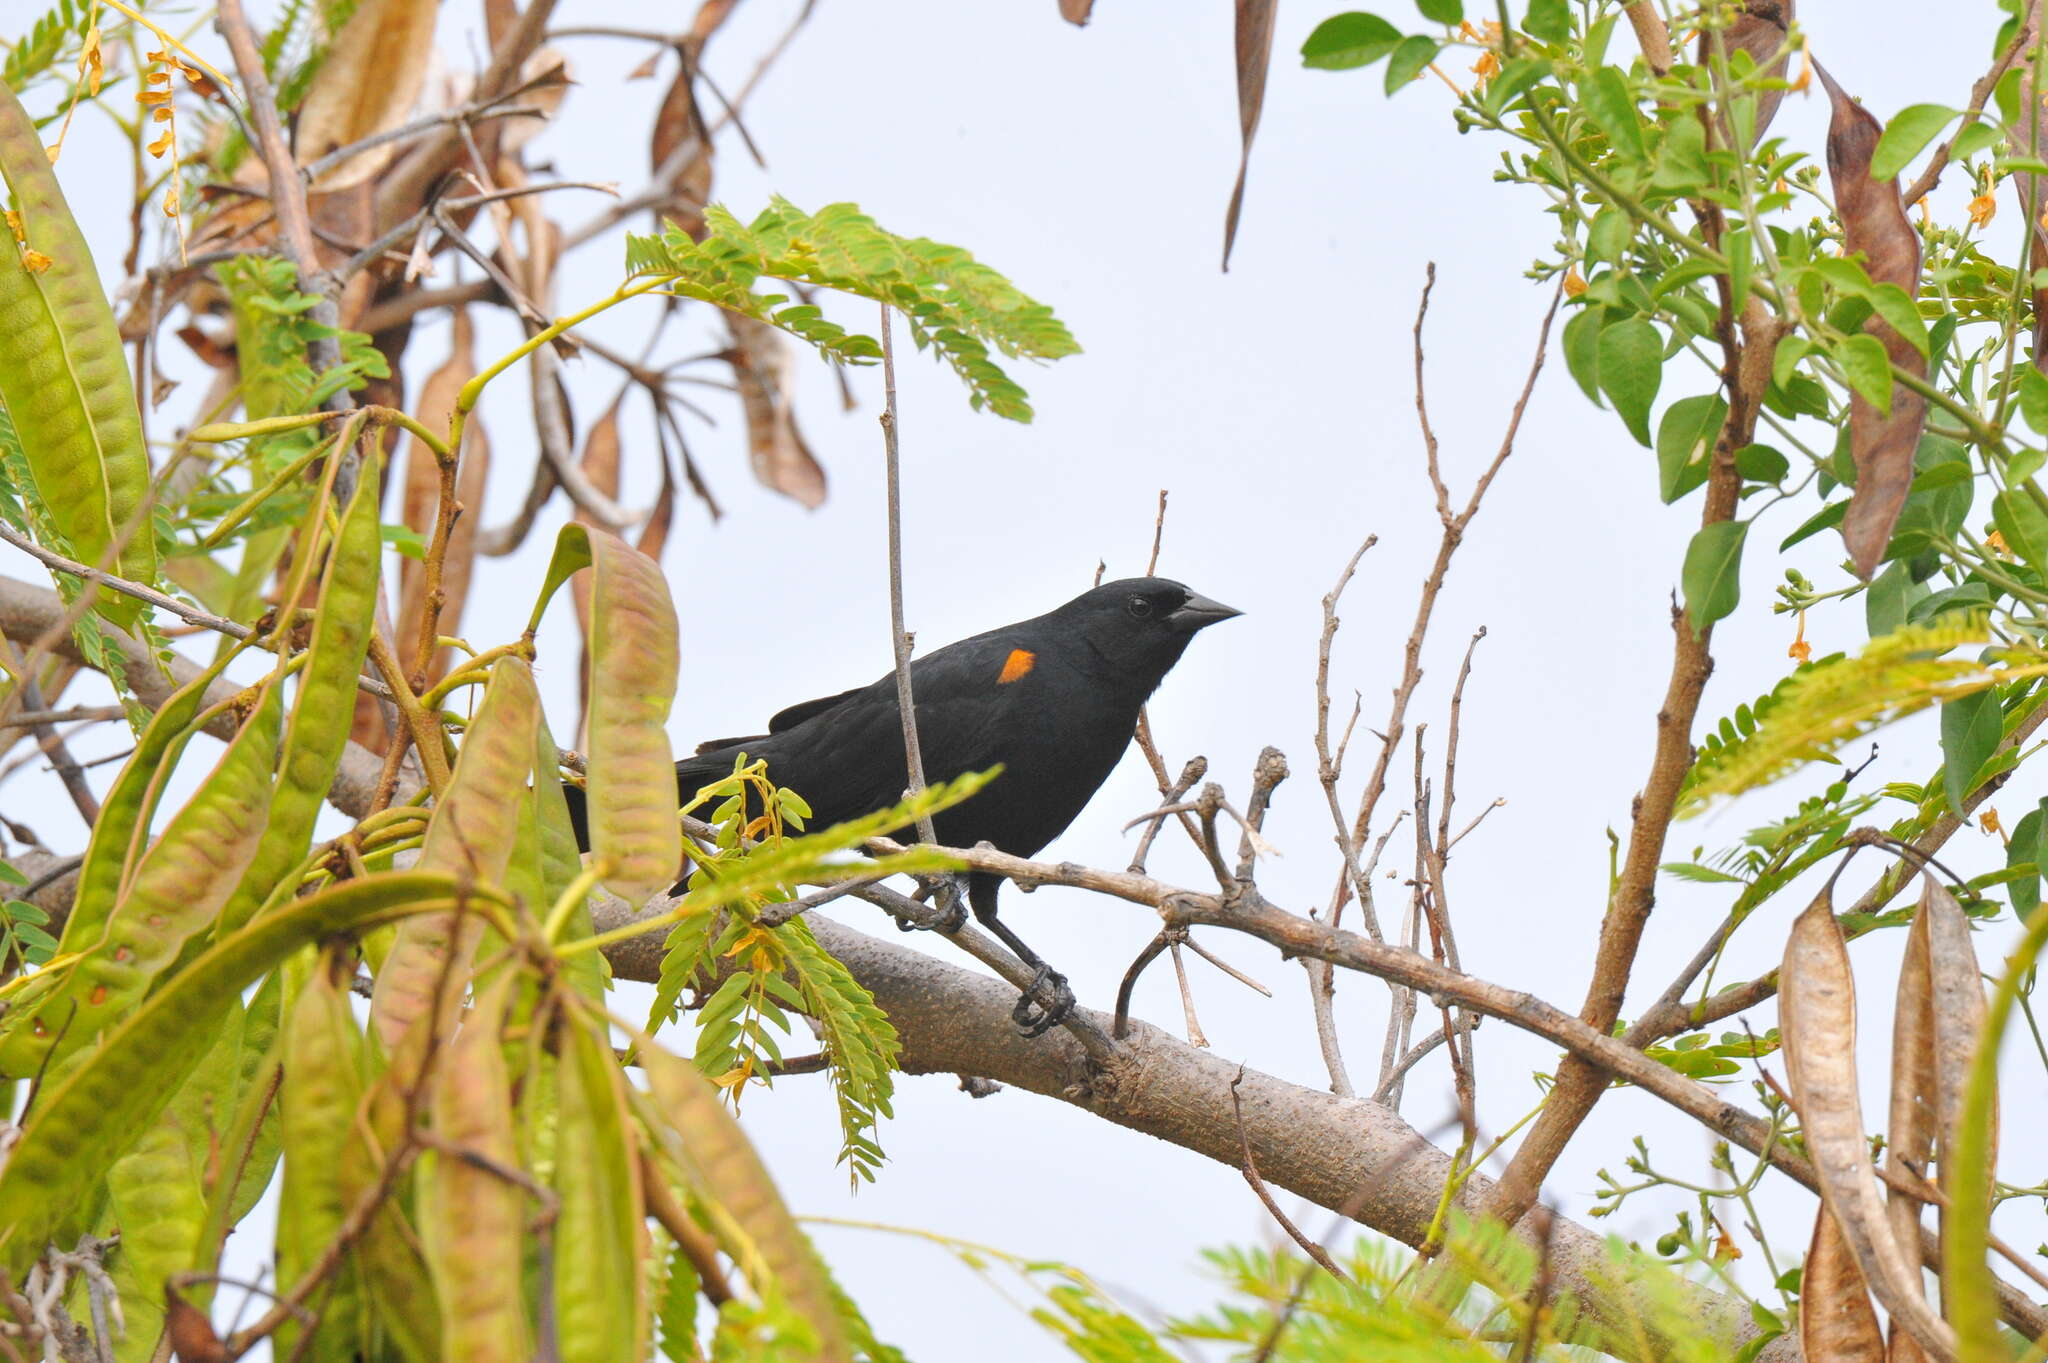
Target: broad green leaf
(1343, 41)
(1631, 359)
(1762, 464)
(2034, 398)
(1408, 60)
(1685, 443)
(1549, 20)
(1970, 729)
(1441, 11)
(2026, 849)
(1713, 572)
(1909, 132)
(1582, 349)
(1608, 100)
(1868, 370)
(2023, 524)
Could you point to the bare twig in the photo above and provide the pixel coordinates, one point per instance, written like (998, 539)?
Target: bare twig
(1250, 1170)
(899, 641)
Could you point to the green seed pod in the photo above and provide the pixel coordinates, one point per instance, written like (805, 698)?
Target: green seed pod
(63, 377)
(473, 831)
(601, 1311)
(633, 658)
(323, 1088)
(473, 1220)
(325, 704)
(90, 1115)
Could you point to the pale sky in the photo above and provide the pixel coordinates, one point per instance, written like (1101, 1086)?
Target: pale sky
(1277, 403)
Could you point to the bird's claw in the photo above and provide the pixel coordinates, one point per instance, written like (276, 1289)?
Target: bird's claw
(949, 902)
(1044, 1004)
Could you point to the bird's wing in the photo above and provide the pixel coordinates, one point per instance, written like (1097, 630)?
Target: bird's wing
(803, 710)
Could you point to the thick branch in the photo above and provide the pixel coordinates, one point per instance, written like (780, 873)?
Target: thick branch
(1338, 1153)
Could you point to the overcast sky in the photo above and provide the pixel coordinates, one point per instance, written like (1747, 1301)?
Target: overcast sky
(1277, 404)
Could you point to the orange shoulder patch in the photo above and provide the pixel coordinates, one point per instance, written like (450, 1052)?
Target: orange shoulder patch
(1016, 665)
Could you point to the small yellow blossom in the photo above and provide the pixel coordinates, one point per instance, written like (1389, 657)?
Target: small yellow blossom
(34, 261)
(1574, 282)
(1996, 543)
(1486, 68)
(1983, 209)
(1805, 76)
(1801, 651)
(1988, 821)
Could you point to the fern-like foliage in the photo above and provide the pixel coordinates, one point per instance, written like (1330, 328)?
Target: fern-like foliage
(752, 974)
(1830, 702)
(49, 41)
(955, 305)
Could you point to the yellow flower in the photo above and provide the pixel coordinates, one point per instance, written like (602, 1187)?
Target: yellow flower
(1486, 68)
(1801, 651)
(1805, 77)
(1574, 282)
(34, 261)
(1995, 542)
(1988, 821)
(1983, 209)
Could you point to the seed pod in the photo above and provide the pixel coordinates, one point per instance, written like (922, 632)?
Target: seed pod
(63, 377)
(601, 1314)
(473, 831)
(88, 1117)
(472, 1219)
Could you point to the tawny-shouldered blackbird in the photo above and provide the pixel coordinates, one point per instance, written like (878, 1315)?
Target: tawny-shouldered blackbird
(1053, 699)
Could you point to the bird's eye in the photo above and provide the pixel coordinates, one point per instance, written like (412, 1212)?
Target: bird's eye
(1139, 607)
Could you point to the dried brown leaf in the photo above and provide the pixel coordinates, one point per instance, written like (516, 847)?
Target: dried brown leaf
(1817, 1014)
(1076, 11)
(760, 358)
(547, 81)
(1836, 1322)
(1760, 31)
(1254, 55)
(680, 145)
(1875, 227)
(654, 535)
(1956, 1004)
(1909, 1136)
(369, 83)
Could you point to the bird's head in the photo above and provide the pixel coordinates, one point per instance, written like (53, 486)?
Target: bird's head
(1141, 624)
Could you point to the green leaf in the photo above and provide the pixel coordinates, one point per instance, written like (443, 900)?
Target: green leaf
(1344, 41)
(1685, 443)
(2034, 398)
(1974, 139)
(1414, 53)
(1441, 11)
(1608, 100)
(2023, 524)
(1970, 729)
(1792, 348)
(1548, 20)
(1868, 370)
(1909, 132)
(2025, 849)
(1582, 349)
(1762, 464)
(1631, 358)
(1741, 258)
(1713, 572)
(1515, 78)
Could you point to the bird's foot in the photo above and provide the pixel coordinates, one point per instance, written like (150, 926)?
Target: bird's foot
(949, 902)
(1044, 1004)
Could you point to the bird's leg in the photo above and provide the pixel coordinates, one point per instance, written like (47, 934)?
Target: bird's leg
(1047, 1000)
(949, 893)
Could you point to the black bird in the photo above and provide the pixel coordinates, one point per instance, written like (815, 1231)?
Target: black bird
(1053, 699)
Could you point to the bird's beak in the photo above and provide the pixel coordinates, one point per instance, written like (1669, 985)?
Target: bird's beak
(1200, 612)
